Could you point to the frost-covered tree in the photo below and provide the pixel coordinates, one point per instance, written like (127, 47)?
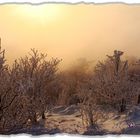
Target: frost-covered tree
(112, 84)
(36, 77)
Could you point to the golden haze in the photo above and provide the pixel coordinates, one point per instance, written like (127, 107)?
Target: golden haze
(69, 31)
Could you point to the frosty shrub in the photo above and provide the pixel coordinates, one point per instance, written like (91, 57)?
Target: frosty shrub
(36, 78)
(112, 83)
(13, 105)
(134, 76)
(27, 88)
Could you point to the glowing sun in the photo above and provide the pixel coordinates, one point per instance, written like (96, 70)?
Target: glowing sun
(40, 13)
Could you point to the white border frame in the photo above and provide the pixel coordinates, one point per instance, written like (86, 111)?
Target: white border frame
(70, 1)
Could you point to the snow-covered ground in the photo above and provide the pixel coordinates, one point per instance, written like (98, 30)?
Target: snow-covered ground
(69, 120)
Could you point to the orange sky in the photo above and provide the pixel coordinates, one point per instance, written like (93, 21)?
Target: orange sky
(69, 31)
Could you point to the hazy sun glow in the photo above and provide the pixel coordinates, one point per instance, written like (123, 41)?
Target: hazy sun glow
(39, 13)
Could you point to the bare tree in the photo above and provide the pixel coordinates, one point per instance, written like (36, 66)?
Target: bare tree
(134, 76)
(12, 103)
(35, 78)
(112, 84)
(26, 89)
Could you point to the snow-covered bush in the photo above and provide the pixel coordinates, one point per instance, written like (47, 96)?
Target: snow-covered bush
(36, 77)
(27, 88)
(112, 83)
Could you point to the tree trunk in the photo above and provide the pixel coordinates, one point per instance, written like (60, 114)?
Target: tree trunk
(34, 119)
(43, 115)
(139, 99)
(123, 106)
(90, 114)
